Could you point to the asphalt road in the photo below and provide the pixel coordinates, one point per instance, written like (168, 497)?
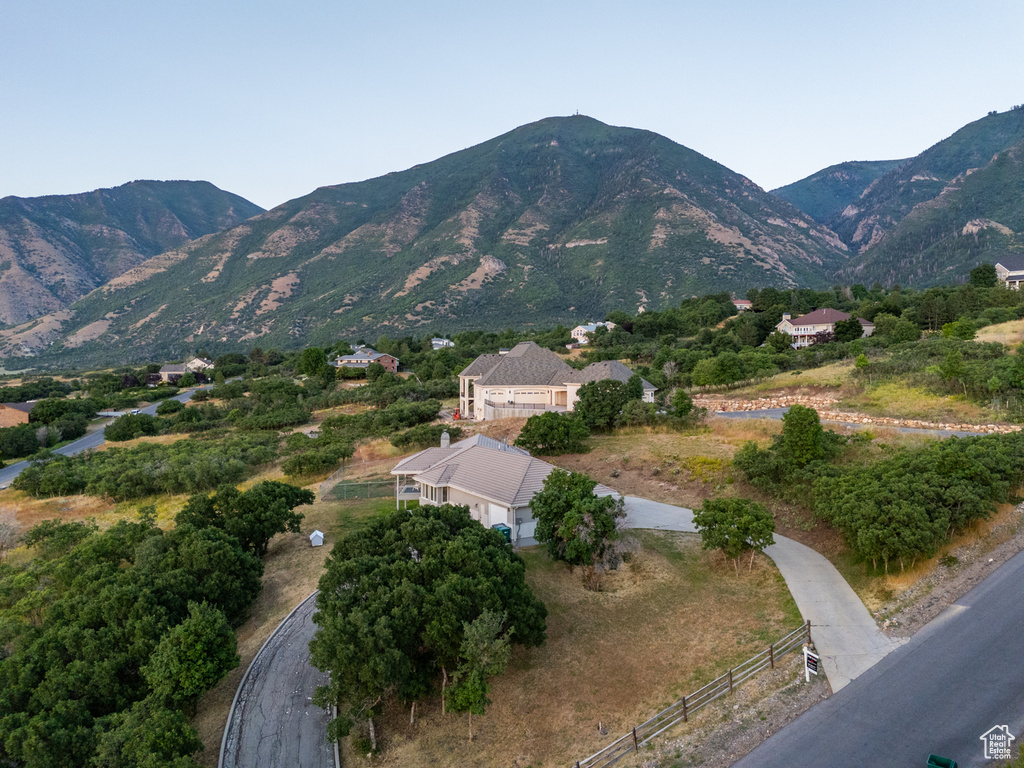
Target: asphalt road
(956, 679)
(274, 723)
(94, 440)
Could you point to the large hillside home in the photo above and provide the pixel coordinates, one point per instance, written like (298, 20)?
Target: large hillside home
(805, 329)
(171, 373)
(581, 333)
(529, 379)
(1010, 269)
(496, 481)
(363, 356)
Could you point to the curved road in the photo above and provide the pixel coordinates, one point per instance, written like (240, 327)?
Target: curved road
(94, 440)
(273, 722)
(957, 678)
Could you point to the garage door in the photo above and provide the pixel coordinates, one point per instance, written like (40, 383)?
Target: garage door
(526, 530)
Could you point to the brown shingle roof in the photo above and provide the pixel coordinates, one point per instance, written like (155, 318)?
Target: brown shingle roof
(823, 316)
(526, 364)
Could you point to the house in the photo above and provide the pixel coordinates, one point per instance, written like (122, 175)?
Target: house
(438, 343)
(13, 414)
(582, 332)
(742, 305)
(529, 379)
(316, 538)
(171, 373)
(496, 481)
(805, 328)
(363, 356)
(1010, 269)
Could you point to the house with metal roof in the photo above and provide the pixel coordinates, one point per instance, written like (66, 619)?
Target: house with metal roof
(529, 379)
(805, 329)
(495, 480)
(1010, 269)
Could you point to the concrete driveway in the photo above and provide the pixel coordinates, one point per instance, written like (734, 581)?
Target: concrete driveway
(843, 630)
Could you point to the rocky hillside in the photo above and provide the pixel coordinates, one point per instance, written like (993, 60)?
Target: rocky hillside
(559, 220)
(826, 194)
(55, 249)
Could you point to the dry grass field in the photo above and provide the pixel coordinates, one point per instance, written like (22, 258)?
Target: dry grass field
(898, 400)
(1010, 334)
(671, 619)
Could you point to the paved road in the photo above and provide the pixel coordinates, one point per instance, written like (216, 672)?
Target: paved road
(778, 413)
(274, 723)
(93, 440)
(957, 677)
(844, 633)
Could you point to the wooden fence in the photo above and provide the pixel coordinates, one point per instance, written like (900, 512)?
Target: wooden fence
(680, 711)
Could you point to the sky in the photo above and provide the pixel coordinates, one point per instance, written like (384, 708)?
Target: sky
(271, 100)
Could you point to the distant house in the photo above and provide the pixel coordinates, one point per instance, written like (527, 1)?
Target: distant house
(805, 329)
(529, 379)
(742, 305)
(496, 481)
(171, 373)
(1010, 269)
(438, 343)
(582, 332)
(363, 356)
(13, 414)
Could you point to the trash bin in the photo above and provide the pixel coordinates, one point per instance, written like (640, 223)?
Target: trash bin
(934, 761)
(504, 530)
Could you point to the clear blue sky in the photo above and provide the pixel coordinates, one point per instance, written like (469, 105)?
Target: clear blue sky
(273, 99)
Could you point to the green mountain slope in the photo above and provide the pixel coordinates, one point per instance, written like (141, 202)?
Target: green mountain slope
(55, 249)
(923, 178)
(977, 218)
(557, 221)
(826, 194)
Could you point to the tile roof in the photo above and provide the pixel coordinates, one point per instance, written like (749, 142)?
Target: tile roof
(606, 369)
(431, 456)
(503, 477)
(526, 364)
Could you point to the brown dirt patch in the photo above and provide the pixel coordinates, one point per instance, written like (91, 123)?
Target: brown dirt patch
(280, 289)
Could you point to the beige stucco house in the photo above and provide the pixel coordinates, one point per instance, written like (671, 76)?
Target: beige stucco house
(529, 379)
(805, 328)
(581, 333)
(496, 481)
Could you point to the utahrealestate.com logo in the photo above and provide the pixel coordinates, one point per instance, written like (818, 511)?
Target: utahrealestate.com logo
(997, 742)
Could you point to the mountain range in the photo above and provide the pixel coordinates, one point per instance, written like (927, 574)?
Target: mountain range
(55, 249)
(561, 220)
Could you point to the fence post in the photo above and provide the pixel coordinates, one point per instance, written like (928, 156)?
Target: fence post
(684, 709)
(730, 681)
(636, 747)
(771, 655)
(808, 630)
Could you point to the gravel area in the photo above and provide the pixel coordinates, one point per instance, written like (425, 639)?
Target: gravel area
(963, 569)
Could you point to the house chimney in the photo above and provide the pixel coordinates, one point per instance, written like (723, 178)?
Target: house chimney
(785, 315)
(446, 439)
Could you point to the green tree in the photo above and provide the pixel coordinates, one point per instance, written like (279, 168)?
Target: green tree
(311, 362)
(486, 651)
(395, 600)
(803, 439)
(682, 403)
(254, 516)
(735, 525)
(553, 433)
(983, 276)
(779, 341)
(848, 330)
(960, 329)
(634, 389)
(192, 657)
(188, 379)
(578, 527)
(600, 403)
(147, 735)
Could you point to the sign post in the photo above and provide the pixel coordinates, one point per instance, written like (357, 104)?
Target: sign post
(810, 663)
